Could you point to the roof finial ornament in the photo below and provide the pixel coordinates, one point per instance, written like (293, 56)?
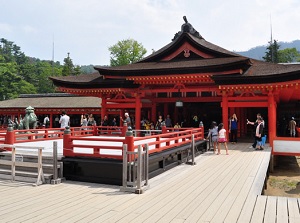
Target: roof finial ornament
(185, 19)
(187, 28)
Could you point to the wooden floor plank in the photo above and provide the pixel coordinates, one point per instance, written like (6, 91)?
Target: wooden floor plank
(216, 189)
(282, 210)
(259, 209)
(293, 210)
(271, 210)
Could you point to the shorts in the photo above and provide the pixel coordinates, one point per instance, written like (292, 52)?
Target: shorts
(214, 139)
(222, 140)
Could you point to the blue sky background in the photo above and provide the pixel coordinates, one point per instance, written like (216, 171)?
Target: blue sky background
(86, 28)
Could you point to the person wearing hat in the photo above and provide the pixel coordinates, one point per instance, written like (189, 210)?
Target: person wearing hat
(292, 127)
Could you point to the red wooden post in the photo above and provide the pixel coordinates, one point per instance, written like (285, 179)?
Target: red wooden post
(163, 128)
(129, 140)
(95, 130)
(67, 142)
(124, 129)
(10, 136)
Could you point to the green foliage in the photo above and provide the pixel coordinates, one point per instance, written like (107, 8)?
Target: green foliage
(69, 68)
(87, 69)
(288, 55)
(20, 74)
(11, 83)
(126, 52)
(272, 52)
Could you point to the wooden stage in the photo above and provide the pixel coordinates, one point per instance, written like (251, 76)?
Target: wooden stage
(219, 188)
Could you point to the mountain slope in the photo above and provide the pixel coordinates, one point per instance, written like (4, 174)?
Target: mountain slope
(259, 52)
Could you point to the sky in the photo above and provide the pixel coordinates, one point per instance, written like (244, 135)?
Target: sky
(87, 28)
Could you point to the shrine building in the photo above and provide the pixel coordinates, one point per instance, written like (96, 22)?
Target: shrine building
(192, 77)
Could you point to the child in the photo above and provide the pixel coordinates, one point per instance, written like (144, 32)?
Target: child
(213, 133)
(222, 138)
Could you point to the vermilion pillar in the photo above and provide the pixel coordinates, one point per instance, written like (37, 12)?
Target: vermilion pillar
(153, 112)
(271, 117)
(103, 107)
(225, 111)
(138, 108)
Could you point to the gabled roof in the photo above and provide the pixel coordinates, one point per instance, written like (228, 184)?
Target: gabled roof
(188, 53)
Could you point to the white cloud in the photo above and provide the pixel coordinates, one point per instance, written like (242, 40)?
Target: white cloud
(86, 28)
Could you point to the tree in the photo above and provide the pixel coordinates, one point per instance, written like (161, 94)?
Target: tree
(272, 52)
(126, 52)
(68, 66)
(288, 55)
(11, 84)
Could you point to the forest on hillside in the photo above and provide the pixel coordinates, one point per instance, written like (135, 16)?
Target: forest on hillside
(21, 74)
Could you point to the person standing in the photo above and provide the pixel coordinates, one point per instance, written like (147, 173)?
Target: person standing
(91, 120)
(46, 122)
(292, 127)
(127, 119)
(259, 134)
(84, 121)
(255, 125)
(213, 133)
(233, 128)
(168, 121)
(64, 120)
(105, 121)
(159, 123)
(222, 138)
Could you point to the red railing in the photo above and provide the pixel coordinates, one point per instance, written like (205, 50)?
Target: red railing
(11, 136)
(111, 147)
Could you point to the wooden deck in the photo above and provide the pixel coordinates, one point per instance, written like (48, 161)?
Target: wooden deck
(219, 188)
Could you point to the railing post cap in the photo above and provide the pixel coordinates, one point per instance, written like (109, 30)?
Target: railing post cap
(10, 128)
(129, 131)
(67, 130)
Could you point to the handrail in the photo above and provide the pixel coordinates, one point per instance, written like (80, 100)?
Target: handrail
(13, 163)
(103, 147)
(11, 136)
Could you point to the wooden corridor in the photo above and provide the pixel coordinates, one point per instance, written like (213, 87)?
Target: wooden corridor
(219, 188)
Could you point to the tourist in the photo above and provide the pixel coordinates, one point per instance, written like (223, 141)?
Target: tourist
(233, 128)
(259, 134)
(159, 123)
(64, 120)
(105, 121)
(84, 121)
(168, 121)
(222, 138)
(114, 122)
(127, 119)
(91, 120)
(56, 122)
(255, 125)
(292, 127)
(46, 122)
(213, 133)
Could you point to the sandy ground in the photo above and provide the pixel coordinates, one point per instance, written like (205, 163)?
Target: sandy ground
(285, 180)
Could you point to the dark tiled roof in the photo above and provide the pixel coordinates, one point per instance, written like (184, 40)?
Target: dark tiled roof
(169, 67)
(262, 72)
(95, 80)
(52, 102)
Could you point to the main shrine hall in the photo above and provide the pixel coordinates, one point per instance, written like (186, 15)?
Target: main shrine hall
(192, 77)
